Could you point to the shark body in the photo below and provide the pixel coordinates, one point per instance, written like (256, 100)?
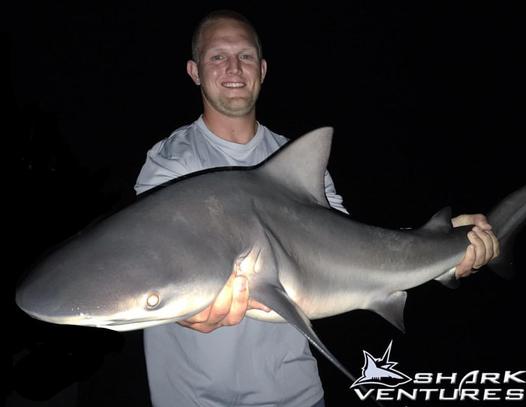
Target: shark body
(166, 257)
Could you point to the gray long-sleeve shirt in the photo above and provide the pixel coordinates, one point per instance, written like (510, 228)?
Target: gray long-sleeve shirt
(254, 363)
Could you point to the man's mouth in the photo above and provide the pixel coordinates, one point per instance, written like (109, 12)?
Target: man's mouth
(233, 85)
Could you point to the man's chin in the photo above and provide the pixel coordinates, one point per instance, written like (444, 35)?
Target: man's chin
(236, 109)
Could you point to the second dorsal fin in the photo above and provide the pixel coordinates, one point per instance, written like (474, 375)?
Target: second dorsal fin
(439, 222)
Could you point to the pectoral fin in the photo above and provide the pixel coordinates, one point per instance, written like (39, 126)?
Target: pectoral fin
(276, 298)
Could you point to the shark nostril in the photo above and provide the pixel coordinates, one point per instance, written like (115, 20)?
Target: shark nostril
(153, 300)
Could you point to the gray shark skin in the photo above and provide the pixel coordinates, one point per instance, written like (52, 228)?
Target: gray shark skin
(166, 257)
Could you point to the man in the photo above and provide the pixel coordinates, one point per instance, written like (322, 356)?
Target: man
(250, 362)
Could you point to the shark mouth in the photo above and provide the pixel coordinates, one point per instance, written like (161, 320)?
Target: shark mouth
(119, 325)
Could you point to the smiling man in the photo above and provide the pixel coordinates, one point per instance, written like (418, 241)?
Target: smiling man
(249, 363)
(228, 64)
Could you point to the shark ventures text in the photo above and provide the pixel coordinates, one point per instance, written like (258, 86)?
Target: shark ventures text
(472, 386)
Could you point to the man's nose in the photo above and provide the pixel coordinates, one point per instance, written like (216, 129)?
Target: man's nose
(234, 65)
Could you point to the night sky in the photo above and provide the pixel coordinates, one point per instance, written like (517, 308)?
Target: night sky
(427, 103)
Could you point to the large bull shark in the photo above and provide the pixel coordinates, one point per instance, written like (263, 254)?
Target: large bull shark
(165, 257)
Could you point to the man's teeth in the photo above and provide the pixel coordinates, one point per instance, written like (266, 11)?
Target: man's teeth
(233, 84)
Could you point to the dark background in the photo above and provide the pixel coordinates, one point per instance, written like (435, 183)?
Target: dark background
(427, 102)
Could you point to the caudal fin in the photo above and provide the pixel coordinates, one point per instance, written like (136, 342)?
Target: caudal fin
(507, 219)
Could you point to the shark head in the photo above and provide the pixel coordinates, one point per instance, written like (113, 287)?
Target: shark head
(152, 263)
(119, 292)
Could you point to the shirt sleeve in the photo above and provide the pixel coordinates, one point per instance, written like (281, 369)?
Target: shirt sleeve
(158, 170)
(335, 200)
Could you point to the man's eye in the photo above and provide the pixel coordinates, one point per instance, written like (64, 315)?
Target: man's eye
(217, 58)
(246, 57)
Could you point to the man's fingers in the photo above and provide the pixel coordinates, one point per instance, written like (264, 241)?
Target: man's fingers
(477, 219)
(202, 327)
(253, 304)
(496, 244)
(463, 269)
(480, 249)
(239, 304)
(488, 243)
(223, 302)
(197, 318)
(481, 221)
(461, 220)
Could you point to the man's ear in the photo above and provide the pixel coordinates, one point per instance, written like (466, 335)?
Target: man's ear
(263, 69)
(193, 71)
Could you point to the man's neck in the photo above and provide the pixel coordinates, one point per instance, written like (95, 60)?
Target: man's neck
(235, 129)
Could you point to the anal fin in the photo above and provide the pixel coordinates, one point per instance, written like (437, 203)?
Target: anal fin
(276, 298)
(391, 308)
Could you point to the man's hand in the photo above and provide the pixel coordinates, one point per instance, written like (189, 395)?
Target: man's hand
(228, 308)
(484, 244)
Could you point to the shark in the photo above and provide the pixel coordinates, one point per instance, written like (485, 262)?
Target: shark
(167, 255)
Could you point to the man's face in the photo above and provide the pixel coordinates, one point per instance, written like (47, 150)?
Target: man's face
(229, 70)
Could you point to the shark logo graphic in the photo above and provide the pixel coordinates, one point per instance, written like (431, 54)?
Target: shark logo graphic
(380, 371)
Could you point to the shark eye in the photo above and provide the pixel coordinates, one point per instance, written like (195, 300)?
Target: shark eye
(153, 300)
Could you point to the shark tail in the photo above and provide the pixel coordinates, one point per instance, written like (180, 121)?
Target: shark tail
(507, 219)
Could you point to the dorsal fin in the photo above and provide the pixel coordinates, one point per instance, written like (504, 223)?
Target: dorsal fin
(301, 165)
(440, 222)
